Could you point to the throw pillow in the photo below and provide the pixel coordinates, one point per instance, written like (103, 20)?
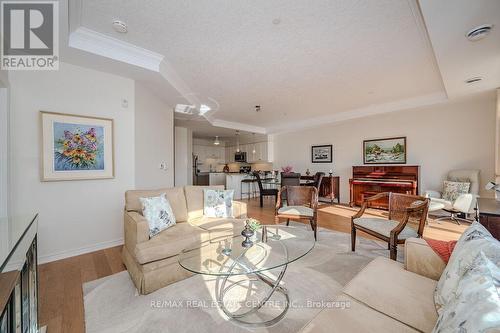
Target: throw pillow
(476, 307)
(218, 203)
(452, 190)
(474, 240)
(443, 249)
(158, 213)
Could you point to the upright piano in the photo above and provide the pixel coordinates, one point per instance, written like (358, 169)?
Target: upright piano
(370, 180)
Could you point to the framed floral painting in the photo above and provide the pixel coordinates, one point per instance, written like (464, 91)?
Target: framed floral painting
(76, 147)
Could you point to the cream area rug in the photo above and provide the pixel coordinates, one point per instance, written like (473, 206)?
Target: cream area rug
(112, 304)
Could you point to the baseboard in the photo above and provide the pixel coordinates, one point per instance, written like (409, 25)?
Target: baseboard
(75, 252)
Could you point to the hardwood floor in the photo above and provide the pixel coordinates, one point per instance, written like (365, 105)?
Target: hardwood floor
(61, 298)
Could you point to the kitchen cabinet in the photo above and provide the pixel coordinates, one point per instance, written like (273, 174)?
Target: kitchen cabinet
(209, 155)
(260, 152)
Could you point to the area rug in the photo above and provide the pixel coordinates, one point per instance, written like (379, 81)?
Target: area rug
(112, 304)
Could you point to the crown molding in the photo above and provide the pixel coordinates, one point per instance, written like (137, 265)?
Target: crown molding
(94, 42)
(371, 110)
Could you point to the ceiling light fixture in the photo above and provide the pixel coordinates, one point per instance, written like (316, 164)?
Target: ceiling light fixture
(257, 108)
(237, 141)
(253, 151)
(216, 141)
(204, 109)
(479, 32)
(120, 26)
(473, 79)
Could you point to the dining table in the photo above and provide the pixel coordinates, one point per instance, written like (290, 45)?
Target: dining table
(276, 183)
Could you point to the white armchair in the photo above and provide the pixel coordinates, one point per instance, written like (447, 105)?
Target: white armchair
(464, 204)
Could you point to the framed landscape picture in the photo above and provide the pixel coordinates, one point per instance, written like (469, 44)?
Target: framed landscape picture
(385, 151)
(321, 154)
(76, 147)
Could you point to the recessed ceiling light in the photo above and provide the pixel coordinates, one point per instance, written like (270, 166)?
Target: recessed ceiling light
(276, 21)
(473, 79)
(120, 26)
(479, 32)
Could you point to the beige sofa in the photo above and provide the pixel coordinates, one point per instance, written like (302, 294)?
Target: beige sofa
(153, 263)
(387, 296)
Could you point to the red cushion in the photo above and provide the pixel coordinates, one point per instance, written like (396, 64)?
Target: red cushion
(442, 248)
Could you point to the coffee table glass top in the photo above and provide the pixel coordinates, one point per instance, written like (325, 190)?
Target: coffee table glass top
(227, 256)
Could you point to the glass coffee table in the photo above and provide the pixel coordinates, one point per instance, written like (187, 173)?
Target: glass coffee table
(249, 269)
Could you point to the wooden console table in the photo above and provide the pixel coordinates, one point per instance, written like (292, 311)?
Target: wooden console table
(329, 190)
(19, 275)
(489, 215)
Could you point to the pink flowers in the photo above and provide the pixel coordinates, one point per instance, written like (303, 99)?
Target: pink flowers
(287, 169)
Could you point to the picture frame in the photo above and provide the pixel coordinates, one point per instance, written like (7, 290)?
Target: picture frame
(76, 147)
(322, 154)
(385, 151)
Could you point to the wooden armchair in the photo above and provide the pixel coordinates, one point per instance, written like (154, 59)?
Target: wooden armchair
(302, 204)
(403, 208)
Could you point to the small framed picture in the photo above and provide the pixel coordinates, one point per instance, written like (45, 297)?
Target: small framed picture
(76, 147)
(322, 154)
(385, 151)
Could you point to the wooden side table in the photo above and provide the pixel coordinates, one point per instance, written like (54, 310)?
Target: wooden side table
(489, 215)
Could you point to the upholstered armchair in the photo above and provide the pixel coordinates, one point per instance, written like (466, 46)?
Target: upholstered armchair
(302, 204)
(404, 209)
(464, 203)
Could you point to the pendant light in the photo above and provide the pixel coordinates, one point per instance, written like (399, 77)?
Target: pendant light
(253, 136)
(237, 141)
(216, 142)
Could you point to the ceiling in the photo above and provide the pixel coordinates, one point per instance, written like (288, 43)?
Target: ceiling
(304, 63)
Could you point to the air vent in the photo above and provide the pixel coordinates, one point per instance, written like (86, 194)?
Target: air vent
(184, 108)
(479, 32)
(473, 80)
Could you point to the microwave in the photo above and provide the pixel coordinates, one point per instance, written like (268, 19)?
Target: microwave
(240, 157)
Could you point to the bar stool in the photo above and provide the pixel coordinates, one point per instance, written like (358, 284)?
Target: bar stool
(251, 188)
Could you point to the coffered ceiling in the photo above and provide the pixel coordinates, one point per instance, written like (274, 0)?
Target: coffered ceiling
(305, 63)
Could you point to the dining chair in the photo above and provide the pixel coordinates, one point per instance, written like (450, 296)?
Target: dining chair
(406, 219)
(302, 204)
(265, 192)
(290, 179)
(318, 179)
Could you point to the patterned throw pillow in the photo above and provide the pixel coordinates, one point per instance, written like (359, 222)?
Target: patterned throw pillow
(218, 203)
(452, 190)
(158, 213)
(476, 307)
(474, 240)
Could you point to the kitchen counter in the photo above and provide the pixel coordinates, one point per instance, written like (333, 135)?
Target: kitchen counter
(233, 182)
(217, 178)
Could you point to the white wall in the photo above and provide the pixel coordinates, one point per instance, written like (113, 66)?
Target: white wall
(183, 156)
(454, 135)
(4, 143)
(154, 144)
(75, 216)
(497, 148)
